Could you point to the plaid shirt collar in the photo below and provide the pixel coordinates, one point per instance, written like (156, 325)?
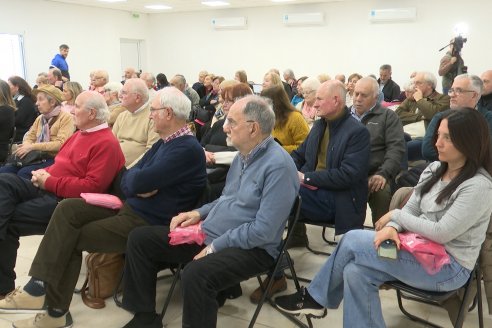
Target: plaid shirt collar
(184, 131)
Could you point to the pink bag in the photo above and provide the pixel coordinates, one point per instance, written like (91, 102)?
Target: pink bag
(187, 235)
(431, 255)
(102, 200)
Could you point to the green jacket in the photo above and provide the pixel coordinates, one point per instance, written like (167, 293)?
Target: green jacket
(427, 108)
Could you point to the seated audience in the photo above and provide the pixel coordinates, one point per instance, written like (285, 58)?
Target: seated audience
(450, 206)
(99, 78)
(87, 162)
(71, 91)
(199, 86)
(290, 79)
(25, 101)
(271, 79)
(340, 77)
(128, 73)
(352, 80)
(297, 98)
(161, 81)
(41, 79)
(425, 101)
(133, 128)
(290, 127)
(464, 92)
(309, 88)
(112, 96)
(149, 80)
(389, 88)
(286, 85)
(485, 102)
(7, 119)
(157, 188)
(47, 135)
(241, 76)
(332, 166)
(387, 144)
(55, 78)
(322, 78)
(243, 227)
(178, 81)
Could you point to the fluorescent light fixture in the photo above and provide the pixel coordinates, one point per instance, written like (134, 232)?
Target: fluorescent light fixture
(282, 0)
(111, 1)
(215, 3)
(158, 7)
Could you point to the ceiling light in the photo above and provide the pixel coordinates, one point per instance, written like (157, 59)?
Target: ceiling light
(112, 1)
(282, 0)
(215, 3)
(158, 7)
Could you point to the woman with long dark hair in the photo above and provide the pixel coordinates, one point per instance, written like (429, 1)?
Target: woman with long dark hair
(7, 117)
(450, 206)
(25, 101)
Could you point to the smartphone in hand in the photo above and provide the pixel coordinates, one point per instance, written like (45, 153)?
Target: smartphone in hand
(388, 249)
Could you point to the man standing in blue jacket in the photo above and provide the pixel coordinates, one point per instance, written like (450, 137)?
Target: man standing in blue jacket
(243, 227)
(60, 61)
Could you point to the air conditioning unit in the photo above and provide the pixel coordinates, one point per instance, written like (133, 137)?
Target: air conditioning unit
(393, 15)
(233, 23)
(304, 19)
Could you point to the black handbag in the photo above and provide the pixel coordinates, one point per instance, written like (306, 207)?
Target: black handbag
(33, 157)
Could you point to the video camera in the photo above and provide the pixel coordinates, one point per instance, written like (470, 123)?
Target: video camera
(458, 45)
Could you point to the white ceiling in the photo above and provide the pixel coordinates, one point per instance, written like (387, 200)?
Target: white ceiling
(183, 5)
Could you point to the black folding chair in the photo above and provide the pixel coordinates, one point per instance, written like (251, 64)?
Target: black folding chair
(436, 298)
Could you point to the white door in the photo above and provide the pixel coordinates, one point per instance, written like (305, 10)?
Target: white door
(132, 54)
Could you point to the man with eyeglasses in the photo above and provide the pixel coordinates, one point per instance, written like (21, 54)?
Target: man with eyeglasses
(133, 128)
(168, 180)
(243, 227)
(465, 92)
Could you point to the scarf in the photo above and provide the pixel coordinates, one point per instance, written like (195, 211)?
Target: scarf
(44, 136)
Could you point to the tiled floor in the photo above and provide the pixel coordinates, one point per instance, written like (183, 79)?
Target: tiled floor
(236, 313)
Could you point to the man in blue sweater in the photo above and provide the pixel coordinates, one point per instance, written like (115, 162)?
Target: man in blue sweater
(243, 227)
(60, 61)
(168, 180)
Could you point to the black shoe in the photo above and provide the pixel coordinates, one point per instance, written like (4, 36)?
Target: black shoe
(299, 236)
(137, 323)
(300, 303)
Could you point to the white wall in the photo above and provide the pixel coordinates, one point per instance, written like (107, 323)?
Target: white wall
(93, 35)
(186, 43)
(348, 43)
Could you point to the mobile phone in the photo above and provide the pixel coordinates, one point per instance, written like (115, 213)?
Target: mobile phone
(387, 249)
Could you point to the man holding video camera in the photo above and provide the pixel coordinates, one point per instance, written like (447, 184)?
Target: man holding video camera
(452, 64)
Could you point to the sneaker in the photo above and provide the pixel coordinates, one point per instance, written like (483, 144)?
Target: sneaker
(43, 320)
(300, 303)
(19, 301)
(277, 287)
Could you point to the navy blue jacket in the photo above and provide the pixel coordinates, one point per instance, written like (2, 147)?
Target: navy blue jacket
(176, 169)
(347, 163)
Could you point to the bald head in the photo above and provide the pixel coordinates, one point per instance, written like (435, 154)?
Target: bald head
(487, 82)
(330, 99)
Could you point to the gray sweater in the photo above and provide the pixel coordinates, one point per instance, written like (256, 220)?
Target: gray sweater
(256, 201)
(459, 223)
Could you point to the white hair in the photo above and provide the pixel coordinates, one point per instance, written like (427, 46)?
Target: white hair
(174, 98)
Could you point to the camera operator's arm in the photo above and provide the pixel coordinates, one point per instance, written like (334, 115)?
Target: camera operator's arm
(447, 62)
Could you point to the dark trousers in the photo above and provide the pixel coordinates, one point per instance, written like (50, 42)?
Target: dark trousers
(25, 172)
(317, 205)
(75, 227)
(379, 202)
(148, 251)
(24, 210)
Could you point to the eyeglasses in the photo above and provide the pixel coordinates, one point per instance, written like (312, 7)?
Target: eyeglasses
(458, 91)
(233, 124)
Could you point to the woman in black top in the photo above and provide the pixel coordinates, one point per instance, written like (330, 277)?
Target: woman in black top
(7, 116)
(25, 102)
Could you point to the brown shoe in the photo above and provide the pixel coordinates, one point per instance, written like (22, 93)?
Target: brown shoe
(277, 287)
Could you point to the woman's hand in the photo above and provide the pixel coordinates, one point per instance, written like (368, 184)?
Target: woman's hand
(23, 150)
(385, 234)
(381, 223)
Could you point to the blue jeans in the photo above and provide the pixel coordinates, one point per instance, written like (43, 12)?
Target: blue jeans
(354, 273)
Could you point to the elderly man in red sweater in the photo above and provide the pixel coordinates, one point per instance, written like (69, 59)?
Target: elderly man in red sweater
(87, 162)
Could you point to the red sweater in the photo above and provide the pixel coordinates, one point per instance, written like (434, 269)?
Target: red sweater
(87, 162)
